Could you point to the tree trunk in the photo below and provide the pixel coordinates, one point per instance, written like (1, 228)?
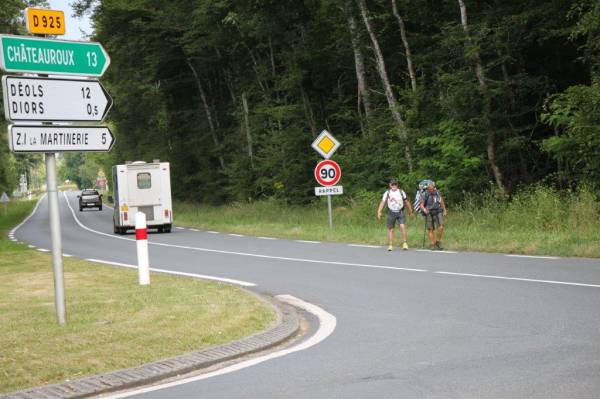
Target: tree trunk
(491, 134)
(359, 64)
(411, 69)
(209, 116)
(248, 132)
(309, 112)
(389, 94)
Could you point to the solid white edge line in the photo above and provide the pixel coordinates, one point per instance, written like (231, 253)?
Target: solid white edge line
(327, 324)
(531, 280)
(436, 251)
(364, 246)
(200, 276)
(532, 256)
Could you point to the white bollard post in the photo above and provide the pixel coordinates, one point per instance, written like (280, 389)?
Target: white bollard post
(141, 241)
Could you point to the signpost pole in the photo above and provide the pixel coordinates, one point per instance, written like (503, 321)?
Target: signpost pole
(329, 211)
(57, 264)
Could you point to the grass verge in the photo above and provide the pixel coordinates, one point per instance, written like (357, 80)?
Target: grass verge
(113, 322)
(538, 221)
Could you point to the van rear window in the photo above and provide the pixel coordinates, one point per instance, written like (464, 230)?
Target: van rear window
(144, 180)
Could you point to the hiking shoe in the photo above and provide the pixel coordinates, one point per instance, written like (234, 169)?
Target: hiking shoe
(405, 246)
(432, 247)
(390, 248)
(438, 245)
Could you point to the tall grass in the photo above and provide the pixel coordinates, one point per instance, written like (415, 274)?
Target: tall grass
(537, 220)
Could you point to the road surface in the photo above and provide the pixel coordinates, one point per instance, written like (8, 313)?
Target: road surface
(412, 324)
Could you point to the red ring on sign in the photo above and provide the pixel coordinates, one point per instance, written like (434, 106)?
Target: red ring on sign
(335, 166)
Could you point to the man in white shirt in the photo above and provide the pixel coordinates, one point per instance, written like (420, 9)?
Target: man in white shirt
(396, 201)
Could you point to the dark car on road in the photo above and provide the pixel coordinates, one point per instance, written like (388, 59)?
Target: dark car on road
(90, 198)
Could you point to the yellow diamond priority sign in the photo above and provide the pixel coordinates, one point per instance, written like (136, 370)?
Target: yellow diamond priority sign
(325, 144)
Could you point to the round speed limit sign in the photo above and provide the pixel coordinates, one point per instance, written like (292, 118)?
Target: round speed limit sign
(328, 172)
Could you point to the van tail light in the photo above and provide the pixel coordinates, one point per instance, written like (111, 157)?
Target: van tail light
(125, 216)
(166, 213)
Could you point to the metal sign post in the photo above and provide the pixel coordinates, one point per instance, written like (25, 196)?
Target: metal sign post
(4, 200)
(57, 264)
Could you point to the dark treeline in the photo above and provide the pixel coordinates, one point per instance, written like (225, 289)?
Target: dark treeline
(476, 94)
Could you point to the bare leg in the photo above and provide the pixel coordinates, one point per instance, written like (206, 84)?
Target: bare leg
(440, 232)
(390, 236)
(431, 237)
(403, 231)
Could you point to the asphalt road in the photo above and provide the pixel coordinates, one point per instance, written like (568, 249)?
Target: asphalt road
(410, 324)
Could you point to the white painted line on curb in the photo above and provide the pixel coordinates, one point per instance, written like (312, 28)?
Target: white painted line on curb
(327, 323)
(235, 235)
(200, 276)
(531, 280)
(266, 238)
(364, 246)
(43, 250)
(308, 241)
(533, 256)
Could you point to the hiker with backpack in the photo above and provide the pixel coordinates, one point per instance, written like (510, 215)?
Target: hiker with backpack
(434, 209)
(396, 201)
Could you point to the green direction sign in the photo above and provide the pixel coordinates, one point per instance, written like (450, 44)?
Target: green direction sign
(50, 56)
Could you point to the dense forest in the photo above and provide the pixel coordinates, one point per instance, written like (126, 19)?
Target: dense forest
(478, 95)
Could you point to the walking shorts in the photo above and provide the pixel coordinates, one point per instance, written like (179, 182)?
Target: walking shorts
(393, 216)
(436, 219)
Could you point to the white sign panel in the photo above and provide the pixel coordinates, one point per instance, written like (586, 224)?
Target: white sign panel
(325, 144)
(331, 190)
(59, 138)
(45, 99)
(4, 198)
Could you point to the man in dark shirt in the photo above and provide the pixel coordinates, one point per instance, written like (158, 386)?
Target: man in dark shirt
(434, 208)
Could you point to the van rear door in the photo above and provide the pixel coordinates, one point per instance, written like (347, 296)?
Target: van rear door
(145, 189)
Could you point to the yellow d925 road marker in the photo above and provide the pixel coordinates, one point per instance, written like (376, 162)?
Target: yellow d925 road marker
(45, 22)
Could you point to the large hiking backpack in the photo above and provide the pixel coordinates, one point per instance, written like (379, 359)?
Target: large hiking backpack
(419, 195)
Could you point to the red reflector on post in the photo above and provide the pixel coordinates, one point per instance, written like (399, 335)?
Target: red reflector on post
(141, 234)
(166, 213)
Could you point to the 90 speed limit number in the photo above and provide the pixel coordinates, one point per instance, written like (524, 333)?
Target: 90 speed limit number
(328, 173)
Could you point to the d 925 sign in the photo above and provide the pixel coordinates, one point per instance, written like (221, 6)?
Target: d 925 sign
(328, 173)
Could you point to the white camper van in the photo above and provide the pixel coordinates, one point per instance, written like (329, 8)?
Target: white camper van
(142, 187)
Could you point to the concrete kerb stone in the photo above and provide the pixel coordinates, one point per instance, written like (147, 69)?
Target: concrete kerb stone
(286, 325)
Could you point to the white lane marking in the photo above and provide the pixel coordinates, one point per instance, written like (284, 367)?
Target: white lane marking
(31, 246)
(436, 251)
(17, 227)
(213, 232)
(308, 241)
(266, 238)
(194, 230)
(235, 235)
(327, 324)
(533, 256)
(326, 262)
(43, 250)
(67, 255)
(218, 251)
(180, 228)
(364, 246)
(531, 280)
(201, 276)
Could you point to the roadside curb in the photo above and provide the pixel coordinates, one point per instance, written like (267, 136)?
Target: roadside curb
(287, 325)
